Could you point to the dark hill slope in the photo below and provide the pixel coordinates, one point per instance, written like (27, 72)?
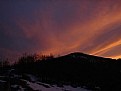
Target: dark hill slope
(78, 68)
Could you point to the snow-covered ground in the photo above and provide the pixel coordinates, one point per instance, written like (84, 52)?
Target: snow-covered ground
(39, 86)
(47, 87)
(29, 82)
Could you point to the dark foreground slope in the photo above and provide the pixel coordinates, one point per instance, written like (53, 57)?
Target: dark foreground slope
(76, 69)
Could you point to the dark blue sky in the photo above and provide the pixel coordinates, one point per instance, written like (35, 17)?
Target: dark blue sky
(60, 27)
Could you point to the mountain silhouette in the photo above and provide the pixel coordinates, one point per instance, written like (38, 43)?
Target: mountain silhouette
(75, 69)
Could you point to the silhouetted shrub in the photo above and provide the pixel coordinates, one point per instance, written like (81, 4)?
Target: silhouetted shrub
(75, 68)
(4, 62)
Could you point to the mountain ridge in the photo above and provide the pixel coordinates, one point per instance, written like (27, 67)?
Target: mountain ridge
(86, 54)
(74, 69)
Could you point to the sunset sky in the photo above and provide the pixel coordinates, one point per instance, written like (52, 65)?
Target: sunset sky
(60, 27)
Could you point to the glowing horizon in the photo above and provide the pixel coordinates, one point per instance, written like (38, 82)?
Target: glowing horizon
(60, 27)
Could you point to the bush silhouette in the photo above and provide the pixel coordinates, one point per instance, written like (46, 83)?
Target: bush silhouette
(75, 68)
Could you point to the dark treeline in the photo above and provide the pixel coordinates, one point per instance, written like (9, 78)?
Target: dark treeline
(76, 69)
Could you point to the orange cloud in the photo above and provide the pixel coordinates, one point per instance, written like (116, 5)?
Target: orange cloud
(64, 27)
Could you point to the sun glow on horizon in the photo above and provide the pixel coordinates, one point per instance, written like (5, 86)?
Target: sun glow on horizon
(61, 27)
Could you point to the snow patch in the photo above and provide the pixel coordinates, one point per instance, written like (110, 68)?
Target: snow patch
(2, 81)
(32, 78)
(40, 87)
(19, 87)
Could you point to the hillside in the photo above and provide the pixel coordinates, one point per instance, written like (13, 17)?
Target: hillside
(74, 70)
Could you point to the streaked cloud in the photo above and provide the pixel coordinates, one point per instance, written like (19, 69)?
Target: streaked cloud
(62, 26)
